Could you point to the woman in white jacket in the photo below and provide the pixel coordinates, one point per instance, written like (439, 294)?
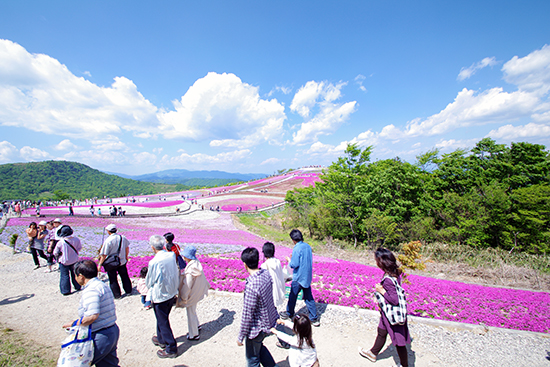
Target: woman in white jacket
(193, 288)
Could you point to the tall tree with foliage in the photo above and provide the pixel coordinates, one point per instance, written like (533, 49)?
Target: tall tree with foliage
(341, 190)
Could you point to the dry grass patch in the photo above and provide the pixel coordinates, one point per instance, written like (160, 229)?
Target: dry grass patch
(17, 350)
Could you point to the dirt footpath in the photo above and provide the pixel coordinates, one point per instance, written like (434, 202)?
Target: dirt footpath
(30, 302)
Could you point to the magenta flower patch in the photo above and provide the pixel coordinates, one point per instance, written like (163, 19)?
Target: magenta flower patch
(219, 245)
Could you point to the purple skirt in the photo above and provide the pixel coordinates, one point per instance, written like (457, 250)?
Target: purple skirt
(399, 334)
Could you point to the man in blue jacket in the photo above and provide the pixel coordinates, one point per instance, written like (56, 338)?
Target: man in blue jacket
(302, 270)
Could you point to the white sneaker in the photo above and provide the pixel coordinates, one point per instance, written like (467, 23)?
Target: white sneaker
(367, 354)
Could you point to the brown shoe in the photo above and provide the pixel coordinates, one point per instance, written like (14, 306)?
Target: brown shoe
(156, 342)
(162, 354)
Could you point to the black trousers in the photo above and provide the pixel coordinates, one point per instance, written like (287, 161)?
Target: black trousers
(35, 253)
(164, 330)
(381, 340)
(113, 280)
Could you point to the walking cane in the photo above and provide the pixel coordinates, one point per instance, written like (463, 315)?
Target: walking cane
(102, 238)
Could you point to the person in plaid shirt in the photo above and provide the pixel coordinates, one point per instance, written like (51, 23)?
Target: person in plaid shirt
(259, 311)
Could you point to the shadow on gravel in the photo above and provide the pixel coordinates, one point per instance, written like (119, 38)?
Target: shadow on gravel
(321, 308)
(391, 352)
(208, 330)
(10, 300)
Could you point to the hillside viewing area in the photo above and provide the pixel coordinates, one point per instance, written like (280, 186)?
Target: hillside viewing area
(463, 224)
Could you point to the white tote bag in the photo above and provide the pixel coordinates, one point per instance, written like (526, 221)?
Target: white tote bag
(77, 350)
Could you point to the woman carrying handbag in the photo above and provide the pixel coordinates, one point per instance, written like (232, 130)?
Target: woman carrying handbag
(393, 311)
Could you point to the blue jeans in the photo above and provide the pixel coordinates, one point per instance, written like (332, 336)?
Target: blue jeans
(295, 288)
(257, 353)
(164, 331)
(64, 283)
(145, 303)
(105, 343)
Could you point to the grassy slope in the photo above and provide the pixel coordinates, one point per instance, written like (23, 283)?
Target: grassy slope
(17, 350)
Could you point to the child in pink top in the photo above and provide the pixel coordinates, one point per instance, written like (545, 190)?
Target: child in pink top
(143, 290)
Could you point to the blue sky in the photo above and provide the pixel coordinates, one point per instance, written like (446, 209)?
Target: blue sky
(255, 86)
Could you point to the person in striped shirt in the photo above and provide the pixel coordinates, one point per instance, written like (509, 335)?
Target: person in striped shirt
(97, 308)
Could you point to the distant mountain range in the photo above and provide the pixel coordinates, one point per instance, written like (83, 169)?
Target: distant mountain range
(68, 180)
(193, 178)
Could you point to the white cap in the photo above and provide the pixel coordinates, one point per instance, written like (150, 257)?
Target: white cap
(42, 223)
(57, 220)
(110, 227)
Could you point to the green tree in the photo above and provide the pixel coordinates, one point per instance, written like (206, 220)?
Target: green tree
(340, 190)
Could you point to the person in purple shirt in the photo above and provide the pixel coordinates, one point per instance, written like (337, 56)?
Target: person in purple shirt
(259, 311)
(302, 272)
(66, 253)
(399, 334)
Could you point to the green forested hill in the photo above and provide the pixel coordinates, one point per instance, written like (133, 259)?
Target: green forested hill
(61, 179)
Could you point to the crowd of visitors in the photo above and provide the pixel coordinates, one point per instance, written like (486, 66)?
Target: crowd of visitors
(175, 277)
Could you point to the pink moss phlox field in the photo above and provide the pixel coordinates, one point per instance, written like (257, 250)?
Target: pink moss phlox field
(340, 282)
(309, 179)
(46, 210)
(245, 203)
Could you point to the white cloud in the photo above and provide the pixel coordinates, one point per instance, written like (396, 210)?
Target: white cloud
(270, 161)
(144, 159)
(469, 109)
(325, 122)
(452, 144)
(109, 144)
(200, 158)
(466, 73)
(65, 145)
(330, 115)
(363, 140)
(510, 132)
(530, 73)
(306, 97)
(319, 148)
(282, 89)
(111, 160)
(8, 152)
(359, 79)
(33, 154)
(39, 93)
(223, 108)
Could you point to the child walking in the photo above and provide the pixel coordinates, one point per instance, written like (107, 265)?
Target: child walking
(142, 288)
(302, 352)
(273, 265)
(387, 290)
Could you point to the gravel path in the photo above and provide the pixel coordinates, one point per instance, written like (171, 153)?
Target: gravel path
(30, 302)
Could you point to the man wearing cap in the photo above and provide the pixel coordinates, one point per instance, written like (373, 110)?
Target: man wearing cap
(66, 251)
(116, 244)
(56, 227)
(163, 282)
(193, 288)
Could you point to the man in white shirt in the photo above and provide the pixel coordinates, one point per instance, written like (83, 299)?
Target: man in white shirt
(116, 244)
(163, 282)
